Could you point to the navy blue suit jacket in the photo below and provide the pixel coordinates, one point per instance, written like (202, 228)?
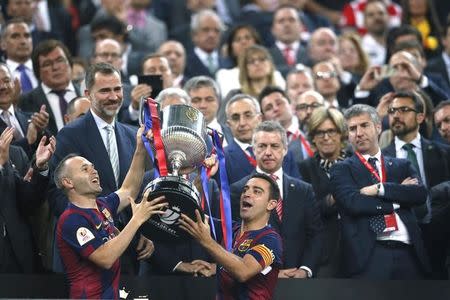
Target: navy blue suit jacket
(238, 166)
(195, 67)
(355, 209)
(82, 137)
(23, 118)
(436, 160)
(301, 227)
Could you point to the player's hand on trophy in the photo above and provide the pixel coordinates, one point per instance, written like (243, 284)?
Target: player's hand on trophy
(198, 229)
(140, 133)
(143, 210)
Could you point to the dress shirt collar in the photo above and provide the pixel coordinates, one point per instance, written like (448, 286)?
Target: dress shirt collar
(294, 46)
(100, 122)
(204, 55)
(399, 143)
(47, 90)
(214, 124)
(242, 145)
(278, 173)
(12, 65)
(10, 109)
(377, 156)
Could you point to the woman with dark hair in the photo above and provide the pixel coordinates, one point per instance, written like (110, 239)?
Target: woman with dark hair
(328, 135)
(240, 38)
(422, 15)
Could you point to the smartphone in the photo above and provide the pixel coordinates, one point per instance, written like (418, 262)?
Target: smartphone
(386, 71)
(155, 81)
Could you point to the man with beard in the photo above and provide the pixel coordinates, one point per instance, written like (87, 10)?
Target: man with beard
(376, 20)
(430, 159)
(442, 119)
(106, 143)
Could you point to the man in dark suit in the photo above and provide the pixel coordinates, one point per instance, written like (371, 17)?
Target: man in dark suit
(286, 29)
(19, 199)
(205, 59)
(375, 196)
(407, 75)
(243, 115)
(26, 134)
(297, 218)
(441, 64)
(205, 96)
(52, 65)
(98, 137)
(431, 159)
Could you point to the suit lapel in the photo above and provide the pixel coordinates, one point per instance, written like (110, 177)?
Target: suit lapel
(125, 156)
(390, 150)
(428, 158)
(23, 121)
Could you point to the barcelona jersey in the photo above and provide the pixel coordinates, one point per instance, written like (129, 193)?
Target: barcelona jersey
(266, 247)
(80, 231)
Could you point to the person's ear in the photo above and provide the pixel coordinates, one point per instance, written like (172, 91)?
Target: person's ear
(272, 204)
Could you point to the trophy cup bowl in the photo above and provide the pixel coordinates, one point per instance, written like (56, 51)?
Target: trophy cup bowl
(183, 132)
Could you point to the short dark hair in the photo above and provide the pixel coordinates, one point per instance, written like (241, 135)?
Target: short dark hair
(151, 56)
(404, 46)
(441, 105)
(418, 103)
(274, 192)
(268, 90)
(59, 170)
(16, 20)
(44, 48)
(108, 22)
(103, 68)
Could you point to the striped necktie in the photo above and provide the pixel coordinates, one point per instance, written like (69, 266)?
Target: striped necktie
(111, 147)
(279, 208)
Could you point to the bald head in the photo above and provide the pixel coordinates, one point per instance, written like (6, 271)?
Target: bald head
(323, 45)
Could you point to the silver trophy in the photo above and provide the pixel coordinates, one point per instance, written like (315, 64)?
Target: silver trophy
(183, 132)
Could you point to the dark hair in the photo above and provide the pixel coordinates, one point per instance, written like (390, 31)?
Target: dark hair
(268, 90)
(431, 16)
(44, 48)
(10, 22)
(59, 170)
(232, 34)
(404, 46)
(102, 68)
(151, 56)
(274, 192)
(418, 103)
(441, 105)
(110, 23)
(397, 32)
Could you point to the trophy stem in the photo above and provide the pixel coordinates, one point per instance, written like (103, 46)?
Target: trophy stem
(176, 158)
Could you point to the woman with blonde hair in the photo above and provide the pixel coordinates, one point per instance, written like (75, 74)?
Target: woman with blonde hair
(257, 70)
(351, 55)
(327, 133)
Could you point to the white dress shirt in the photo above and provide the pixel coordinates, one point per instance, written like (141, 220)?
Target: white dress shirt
(13, 119)
(12, 65)
(53, 100)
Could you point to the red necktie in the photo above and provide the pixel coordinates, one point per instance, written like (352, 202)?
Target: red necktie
(288, 57)
(279, 208)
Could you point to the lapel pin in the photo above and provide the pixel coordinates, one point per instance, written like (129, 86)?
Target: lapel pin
(390, 163)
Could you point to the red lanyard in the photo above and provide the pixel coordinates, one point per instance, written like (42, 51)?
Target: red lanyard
(372, 171)
(250, 159)
(306, 145)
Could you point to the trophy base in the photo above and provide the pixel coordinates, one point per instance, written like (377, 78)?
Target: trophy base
(182, 197)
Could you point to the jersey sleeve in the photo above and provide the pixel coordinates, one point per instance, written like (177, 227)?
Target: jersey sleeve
(267, 250)
(80, 235)
(112, 201)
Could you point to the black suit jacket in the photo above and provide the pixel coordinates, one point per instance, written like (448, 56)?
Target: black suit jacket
(32, 102)
(23, 118)
(195, 66)
(19, 199)
(437, 66)
(301, 227)
(355, 209)
(280, 62)
(436, 160)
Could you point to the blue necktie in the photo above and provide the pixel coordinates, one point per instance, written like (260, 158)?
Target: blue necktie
(376, 223)
(25, 81)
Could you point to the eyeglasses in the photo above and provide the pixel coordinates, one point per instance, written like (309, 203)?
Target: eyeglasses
(312, 106)
(255, 60)
(321, 133)
(401, 110)
(235, 118)
(49, 63)
(325, 75)
(106, 55)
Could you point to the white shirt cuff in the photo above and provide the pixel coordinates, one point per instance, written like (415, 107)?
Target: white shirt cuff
(134, 113)
(176, 266)
(381, 192)
(396, 206)
(423, 82)
(308, 270)
(360, 93)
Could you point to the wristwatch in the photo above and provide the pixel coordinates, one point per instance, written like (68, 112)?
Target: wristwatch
(378, 186)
